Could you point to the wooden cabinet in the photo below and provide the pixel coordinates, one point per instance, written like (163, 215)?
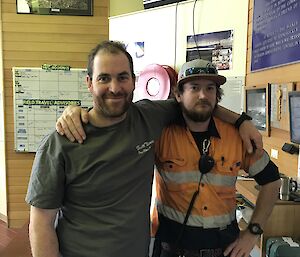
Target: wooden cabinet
(283, 220)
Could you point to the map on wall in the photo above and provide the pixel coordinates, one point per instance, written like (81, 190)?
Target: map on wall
(40, 97)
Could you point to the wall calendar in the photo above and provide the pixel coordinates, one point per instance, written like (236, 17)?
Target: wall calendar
(40, 97)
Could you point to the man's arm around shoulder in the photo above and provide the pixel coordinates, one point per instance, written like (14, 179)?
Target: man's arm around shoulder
(248, 132)
(42, 235)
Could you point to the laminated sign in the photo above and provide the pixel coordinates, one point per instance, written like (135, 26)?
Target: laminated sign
(40, 96)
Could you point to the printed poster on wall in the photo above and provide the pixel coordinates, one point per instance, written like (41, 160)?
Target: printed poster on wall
(136, 50)
(215, 47)
(40, 97)
(276, 33)
(233, 98)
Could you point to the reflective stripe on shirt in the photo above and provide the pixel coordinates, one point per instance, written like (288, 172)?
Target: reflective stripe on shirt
(220, 221)
(259, 165)
(194, 176)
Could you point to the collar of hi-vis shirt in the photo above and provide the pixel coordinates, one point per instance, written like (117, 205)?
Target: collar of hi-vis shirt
(212, 129)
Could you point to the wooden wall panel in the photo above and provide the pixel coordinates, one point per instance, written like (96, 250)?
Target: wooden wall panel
(30, 41)
(287, 163)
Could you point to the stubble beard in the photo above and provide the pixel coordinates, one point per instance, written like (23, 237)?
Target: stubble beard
(197, 115)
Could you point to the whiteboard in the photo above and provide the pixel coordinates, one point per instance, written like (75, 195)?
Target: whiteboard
(40, 97)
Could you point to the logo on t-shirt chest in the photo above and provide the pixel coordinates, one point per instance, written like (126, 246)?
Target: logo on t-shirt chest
(145, 147)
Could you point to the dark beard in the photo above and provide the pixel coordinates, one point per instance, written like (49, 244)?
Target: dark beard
(110, 113)
(197, 116)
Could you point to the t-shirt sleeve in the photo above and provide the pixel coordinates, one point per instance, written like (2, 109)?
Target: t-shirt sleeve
(163, 112)
(46, 184)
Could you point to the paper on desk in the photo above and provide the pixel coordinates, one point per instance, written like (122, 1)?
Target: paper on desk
(244, 178)
(290, 241)
(247, 213)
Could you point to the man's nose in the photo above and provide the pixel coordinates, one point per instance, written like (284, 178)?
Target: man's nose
(114, 86)
(202, 93)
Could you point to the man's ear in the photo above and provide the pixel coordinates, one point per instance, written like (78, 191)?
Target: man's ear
(133, 81)
(88, 81)
(177, 94)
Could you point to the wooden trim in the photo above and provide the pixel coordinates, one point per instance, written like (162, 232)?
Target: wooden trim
(3, 217)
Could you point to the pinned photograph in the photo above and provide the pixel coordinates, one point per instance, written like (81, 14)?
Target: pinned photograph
(215, 47)
(55, 7)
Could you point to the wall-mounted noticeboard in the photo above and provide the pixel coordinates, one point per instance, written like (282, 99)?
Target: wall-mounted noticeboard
(275, 33)
(40, 97)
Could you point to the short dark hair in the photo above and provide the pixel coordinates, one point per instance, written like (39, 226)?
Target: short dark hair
(113, 47)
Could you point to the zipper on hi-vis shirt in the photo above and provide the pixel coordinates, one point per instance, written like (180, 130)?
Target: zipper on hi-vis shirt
(145, 147)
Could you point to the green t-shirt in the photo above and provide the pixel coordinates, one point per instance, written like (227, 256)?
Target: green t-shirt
(102, 187)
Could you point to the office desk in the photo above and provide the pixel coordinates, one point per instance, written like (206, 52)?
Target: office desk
(284, 220)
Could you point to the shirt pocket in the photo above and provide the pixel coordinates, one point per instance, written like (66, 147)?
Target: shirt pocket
(172, 164)
(228, 167)
(176, 174)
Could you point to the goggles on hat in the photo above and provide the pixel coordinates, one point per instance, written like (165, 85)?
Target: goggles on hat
(199, 70)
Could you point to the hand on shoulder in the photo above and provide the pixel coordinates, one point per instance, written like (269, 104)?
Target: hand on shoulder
(70, 123)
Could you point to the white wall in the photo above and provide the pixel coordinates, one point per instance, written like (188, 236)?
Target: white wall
(3, 201)
(156, 27)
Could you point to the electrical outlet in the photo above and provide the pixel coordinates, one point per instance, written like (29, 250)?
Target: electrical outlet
(274, 154)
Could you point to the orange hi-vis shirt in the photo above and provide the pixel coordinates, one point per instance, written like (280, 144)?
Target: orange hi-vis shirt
(177, 176)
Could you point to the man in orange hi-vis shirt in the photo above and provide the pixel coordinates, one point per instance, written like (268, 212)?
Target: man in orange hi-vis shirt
(197, 160)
